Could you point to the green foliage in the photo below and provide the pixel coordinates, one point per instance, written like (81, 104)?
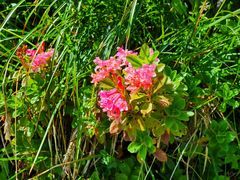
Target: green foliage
(49, 123)
(221, 147)
(228, 96)
(111, 167)
(152, 111)
(141, 146)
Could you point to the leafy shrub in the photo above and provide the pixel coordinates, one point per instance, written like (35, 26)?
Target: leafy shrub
(50, 125)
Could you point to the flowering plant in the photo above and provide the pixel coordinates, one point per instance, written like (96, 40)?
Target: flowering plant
(142, 99)
(34, 59)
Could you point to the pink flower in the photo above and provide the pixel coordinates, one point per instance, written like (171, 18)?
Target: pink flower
(140, 78)
(39, 57)
(105, 68)
(110, 65)
(41, 60)
(99, 76)
(122, 54)
(113, 103)
(31, 53)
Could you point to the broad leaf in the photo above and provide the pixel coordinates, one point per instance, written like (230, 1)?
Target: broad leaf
(160, 155)
(107, 84)
(176, 127)
(137, 96)
(160, 67)
(114, 127)
(144, 51)
(135, 60)
(134, 147)
(147, 108)
(142, 153)
(160, 83)
(153, 57)
(165, 137)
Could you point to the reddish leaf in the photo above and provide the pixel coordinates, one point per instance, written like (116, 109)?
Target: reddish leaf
(130, 133)
(160, 155)
(165, 137)
(126, 136)
(114, 127)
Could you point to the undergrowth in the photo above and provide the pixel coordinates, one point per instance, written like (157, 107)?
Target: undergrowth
(51, 123)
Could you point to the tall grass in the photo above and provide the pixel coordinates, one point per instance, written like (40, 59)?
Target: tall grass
(49, 119)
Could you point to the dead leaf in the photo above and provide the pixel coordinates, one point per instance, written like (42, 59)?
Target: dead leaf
(7, 127)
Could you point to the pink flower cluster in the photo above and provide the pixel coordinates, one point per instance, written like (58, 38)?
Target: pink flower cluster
(122, 54)
(113, 103)
(140, 78)
(105, 68)
(39, 57)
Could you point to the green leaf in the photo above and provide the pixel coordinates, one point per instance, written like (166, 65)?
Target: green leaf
(220, 138)
(183, 116)
(160, 83)
(135, 60)
(173, 112)
(217, 177)
(17, 112)
(158, 130)
(130, 162)
(4, 173)
(40, 130)
(137, 96)
(233, 159)
(14, 102)
(153, 57)
(142, 153)
(160, 67)
(1, 99)
(134, 177)
(230, 136)
(225, 90)
(233, 103)
(148, 140)
(214, 125)
(32, 89)
(124, 168)
(134, 147)
(176, 127)
(151, 122)
(107, 84)
(144, 51)
(190, 113)
(222, 126)
(95, 176)
(179, 6)
(223, 107)
(121, 176)
(34, 100)
(179, 103)
(146, 108)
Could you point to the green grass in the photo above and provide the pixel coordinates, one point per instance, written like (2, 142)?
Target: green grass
(49, 119)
